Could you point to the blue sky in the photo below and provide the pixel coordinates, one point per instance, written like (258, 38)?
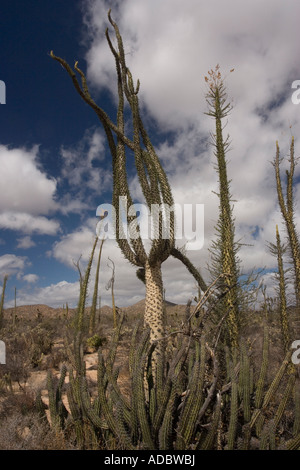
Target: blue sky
(41, 116)
(56, 168)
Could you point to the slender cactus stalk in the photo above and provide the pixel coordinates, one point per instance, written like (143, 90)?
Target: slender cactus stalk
(224, 251)
(283, 402)
(110, 285)
(279, 250)
(83, 293)
(95, 293)
(260, 385)
(58, 412)
(15, 309)
(294, 444)
(296, 398)
(272, 389)
(2, 300)
(234, 406)
(210, 439)
(245, 383)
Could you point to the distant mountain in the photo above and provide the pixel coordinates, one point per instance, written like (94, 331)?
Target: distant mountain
(44, 310)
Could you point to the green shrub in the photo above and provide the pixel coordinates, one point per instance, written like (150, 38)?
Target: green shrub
(95, 342)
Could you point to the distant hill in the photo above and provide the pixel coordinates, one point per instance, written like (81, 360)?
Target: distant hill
(44, 310)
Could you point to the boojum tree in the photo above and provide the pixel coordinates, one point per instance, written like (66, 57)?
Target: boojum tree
(224, 249)
(154, 184)
(286, 205)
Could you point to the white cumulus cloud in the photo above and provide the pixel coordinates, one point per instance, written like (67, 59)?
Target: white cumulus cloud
(54, 295)
(24, 187)
(28, 223)
(25, 242)
(31, 278)
(11, 264)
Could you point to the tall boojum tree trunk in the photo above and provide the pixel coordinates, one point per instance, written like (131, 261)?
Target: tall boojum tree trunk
(287, 210)
(153, 181)
(154, 311)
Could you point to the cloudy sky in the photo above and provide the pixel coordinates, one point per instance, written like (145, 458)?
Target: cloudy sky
(55, 165)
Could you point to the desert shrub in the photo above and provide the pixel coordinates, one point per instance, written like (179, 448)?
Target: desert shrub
(17, 365)
(39, 342)
(30, 432)
(21, 401)
(95, 342)
(57, 356)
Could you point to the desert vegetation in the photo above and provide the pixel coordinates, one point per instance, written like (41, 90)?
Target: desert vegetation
(217, 375)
